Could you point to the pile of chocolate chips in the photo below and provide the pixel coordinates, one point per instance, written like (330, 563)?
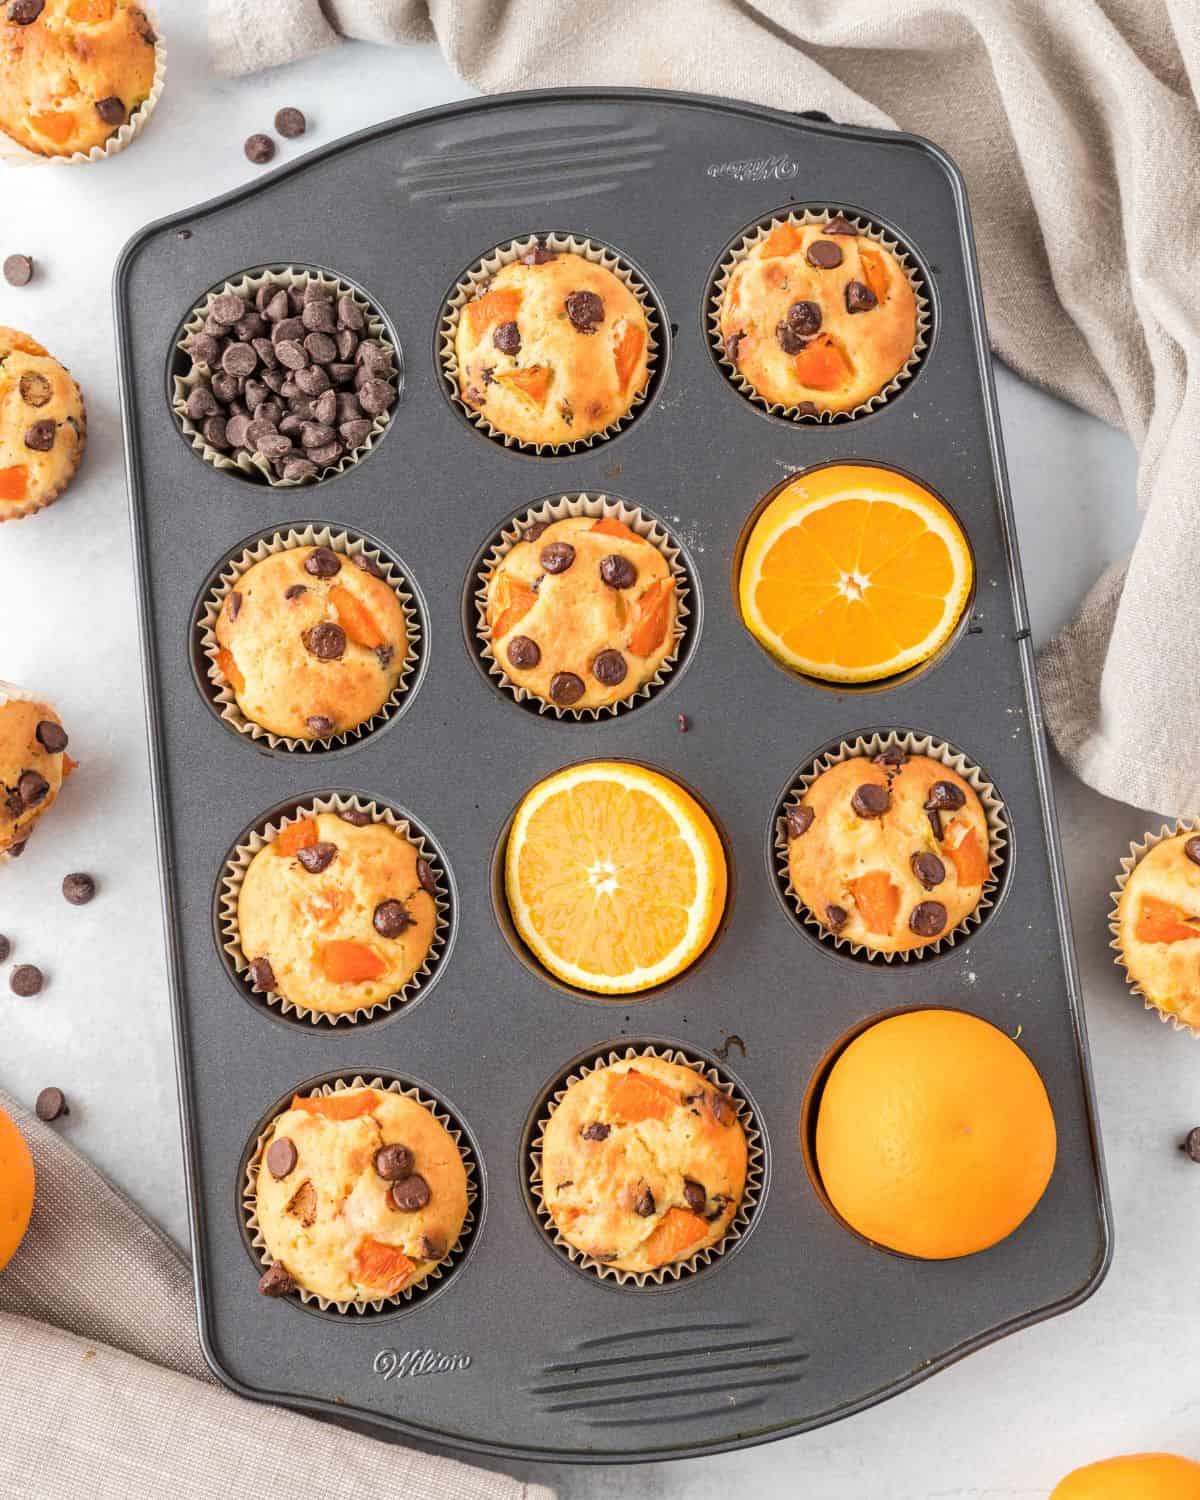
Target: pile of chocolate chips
(292, 379)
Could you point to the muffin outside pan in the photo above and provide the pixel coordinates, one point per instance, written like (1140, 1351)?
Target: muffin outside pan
(1159, 963)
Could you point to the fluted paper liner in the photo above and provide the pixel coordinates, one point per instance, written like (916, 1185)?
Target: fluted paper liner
(912, 744)
(594, 507)
(254, 466)
(474, 281)
(750, 1193)
(31, 507)
(1138, 852)
(348, 545)
(17, 155)
(11, 693)
(453, 1255)
(868, 230)
(266, 833)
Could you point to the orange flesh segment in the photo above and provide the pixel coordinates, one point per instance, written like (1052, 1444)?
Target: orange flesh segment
(963, 846)
(383, 1266)
(54, 124)
(324, 906)
(878, 899)
(12, 482)
(355, 618)
(492, 307)
(1163, 922)
(782, 240)
(874, 272)
(338, 1106)
(675, 1232)
(533, 382)
(653, 615)
(228, 669)
(634, 1097)
(344, 962)
(610, 526)
(628, 352)
(510, 600)
(298, 835)
(821, 365)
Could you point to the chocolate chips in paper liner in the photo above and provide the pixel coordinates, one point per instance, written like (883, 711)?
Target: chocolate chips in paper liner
(221, 694)
(675, 1271)
(595, 507)
(234, 872)
(455, 1253)
(475, 282)
(860, 224)
(871, 746)
(1129, 862)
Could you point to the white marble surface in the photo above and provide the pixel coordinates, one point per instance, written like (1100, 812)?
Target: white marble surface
(1123, 1372)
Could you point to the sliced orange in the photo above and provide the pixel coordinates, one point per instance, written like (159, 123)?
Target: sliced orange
(350, 1104)
(1162, 921)
(12, 482)
(532, 383)
(634, 1096)
(615, 876)
(853, 573)
(296, 836)
(383, 1266)
(493, 307)
(675, 1233)
(355, 618)
(628, 352)
(962, 844)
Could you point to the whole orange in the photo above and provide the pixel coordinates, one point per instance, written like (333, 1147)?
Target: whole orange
(16, 1188)
(1136, 1476)
(934, 1134)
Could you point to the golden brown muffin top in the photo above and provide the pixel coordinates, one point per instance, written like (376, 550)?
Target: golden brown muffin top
(643, 1164)
(33, 766)
(891, 853)
(72, 72)
(42, 427)
(1158, 926)
(582, 613)
(818, 317)
(554, 349)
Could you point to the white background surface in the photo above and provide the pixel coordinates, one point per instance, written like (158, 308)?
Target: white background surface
(1120, 1374)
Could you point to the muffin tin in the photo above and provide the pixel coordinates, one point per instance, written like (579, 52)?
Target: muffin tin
(520, 1353)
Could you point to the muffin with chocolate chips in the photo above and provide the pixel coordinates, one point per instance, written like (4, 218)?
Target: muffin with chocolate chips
(643, 1164)
(817, 317)
(311, 642)
(336, 914)
(553, 349)
(581, 613)
(1157, 927)
(33, 766)
(890, 853)
(42, 426)
(358, 1195)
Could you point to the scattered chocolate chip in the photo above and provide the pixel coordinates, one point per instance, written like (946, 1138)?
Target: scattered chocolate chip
(426, 877)
(25, 980)
(18, 269)
(1192, 850)
(871, 800)
(945, 796)
(531, 533)
(617, 571)
(5, 948)
(507, 338)
(391, 919)
(859, 297)
(410, 1193)
(262, 975)
(799, 820)
(839, 225)
(39, 436)
(32, 787)
(928, 869)
(35, 389)
(566, 688)
(290, 123)
(282, 1157)
(609, 668)
(51, 1104)
(259, 149)
(836, 917)
(432, 1249)
(643, 1204)
(322, 562)
(317, 857)
(536, 255)
(524, 653)
(393, 1162)
(356, 817)
(1191, 1144)
(51, 736)
(694, 1195)
(824, 254)
(682, 721)
(320, 724)
(596, 1131)
(928, 918)
(585, 310)
(722, 1109)
(275, 1282)
(78, 888)
(557, 557)
(788, 339)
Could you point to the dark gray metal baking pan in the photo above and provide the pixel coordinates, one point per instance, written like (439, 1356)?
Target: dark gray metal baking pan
(806, 1323)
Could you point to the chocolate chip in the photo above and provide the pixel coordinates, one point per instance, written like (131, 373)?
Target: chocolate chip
(935, 821)
(320, 347)
(227, 308)
(16, 850)
(293, 591)
(393, 1162)
(507, 338)
(617, 571)
(25, 980)
(35, 389)
(322, 562)
(732, 344)
(804, 318)
(282, 1157)
(566, 688)
(536, 255)
(5, 947)
(259, 148)
(297, 470)
(799, 820)
(317, 857)
(51, 736)
(291, 353)
(557, 557)
(524, 653)
(391, 918)
(32, 786)
(824, 254)
(329, 454)
(225, 387)
(531, 533)
(51, 1104)
(324, 408)
(859, 297)
(836, 917)
(78, 888)
(871, 800)
(275, 1281)
(375, 397)
(585, 310)
(788, 339)
(945, 796)
(237, 430)
(18, 269)
(928, 869)
(1191, 1144)
(643, 1204)
(596, 1131)
(251, 328)
(356, 817)
(290, 122)
(694, 1195)
(320, 724)
(721, 1108)
(350, 315)
(410, 1193)
(40, 436)
(609, 668)
(204, 350)
(432, 1249)
(839, 225)
(347, 345)
(262, 975)
(355, 433)
(682, 721)
(316, 434)
(216, 432)
(375, 358)
(807, 409)
(928, 918)
(892, 757)
(1192, 850)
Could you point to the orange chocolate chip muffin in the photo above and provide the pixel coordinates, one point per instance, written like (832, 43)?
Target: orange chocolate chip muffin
(359, 1194)
(890, 853)
(312, 642)
(643, 1164)
(72, 72)
(818, 317)
(554, 348)
(337, 913)
(42, 426)
(581, 613)
(33, 766)
(1158, 927)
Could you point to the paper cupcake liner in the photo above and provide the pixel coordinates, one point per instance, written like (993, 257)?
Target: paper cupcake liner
(912, 744)
(594, 507)
(1138, 852)
(16, 155)
(11, 693)
(454, 1254)
(246, 286)
(869, 230)
(262, 834)
(31, 507)
(504, 255)
(349, 545)
(750, 1193)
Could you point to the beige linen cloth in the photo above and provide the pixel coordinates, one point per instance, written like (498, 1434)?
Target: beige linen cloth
(1076, 126)
(104, 1392)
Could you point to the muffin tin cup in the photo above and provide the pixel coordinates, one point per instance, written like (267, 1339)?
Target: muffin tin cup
(14, 154)
(739, 1224)
(246, 286)
(347, 545)
(868, 230)
(474, 282)
(31, 507)
(235, 872)
(595, 507)
(407, 1294)
(1138, 852)
(11, 693)
(912, 744)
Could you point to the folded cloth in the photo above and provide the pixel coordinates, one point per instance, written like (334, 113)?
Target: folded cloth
(108, 1395)
(1076, 126)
